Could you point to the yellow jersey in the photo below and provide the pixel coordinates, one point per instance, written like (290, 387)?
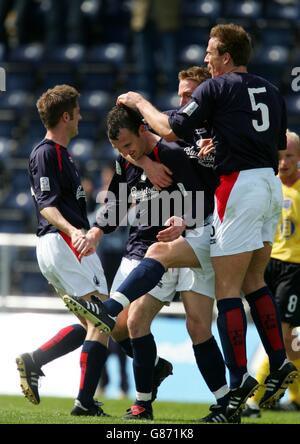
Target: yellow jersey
(286, 245)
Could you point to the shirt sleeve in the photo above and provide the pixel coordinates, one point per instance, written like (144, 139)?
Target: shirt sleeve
(45, 178)
(115, 206)
(196, 112)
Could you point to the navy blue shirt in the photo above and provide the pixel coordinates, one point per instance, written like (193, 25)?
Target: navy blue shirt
(247, 117)
(55, 182)
(185, 178)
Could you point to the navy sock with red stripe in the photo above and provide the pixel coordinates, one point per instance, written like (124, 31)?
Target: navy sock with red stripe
(232, 326)
(266, 317)
(92, 359)
(65, 341)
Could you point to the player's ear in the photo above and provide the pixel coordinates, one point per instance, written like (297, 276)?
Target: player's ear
(142, 129)
(66, 116)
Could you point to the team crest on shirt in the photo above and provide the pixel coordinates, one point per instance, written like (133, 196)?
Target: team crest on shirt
(45, 183)
(190, 108)
(287, 203)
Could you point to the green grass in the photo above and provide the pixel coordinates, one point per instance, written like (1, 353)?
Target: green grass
(17, 410)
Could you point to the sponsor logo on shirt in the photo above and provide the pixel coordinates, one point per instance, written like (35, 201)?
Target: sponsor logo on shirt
(80, 193)
(145, 194)
(190, 108)
(45, 183)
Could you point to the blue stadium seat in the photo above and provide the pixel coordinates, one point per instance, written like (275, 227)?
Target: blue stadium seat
(279, 34)
(109, 54)
(56, 77)
(192, 55)
(72, 53)
(274, 55)
(105, 152)
(166, 102)
(244, 9)
(281, 11)
(17, 101)
(210, 9)
(88, 127)
(81, 149)
(97, 101)
(293, 104)
(7, 146)
(33, 53)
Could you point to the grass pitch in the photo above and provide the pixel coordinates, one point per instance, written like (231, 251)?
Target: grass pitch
(17, 410)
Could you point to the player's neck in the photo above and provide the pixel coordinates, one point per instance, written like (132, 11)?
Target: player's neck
(152, 140)
(240, 68)
(290, 180)
(58, 137)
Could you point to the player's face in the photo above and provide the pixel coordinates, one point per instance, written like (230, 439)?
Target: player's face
(215, 61)
(288, 160)
(130, 144)
(185, 89)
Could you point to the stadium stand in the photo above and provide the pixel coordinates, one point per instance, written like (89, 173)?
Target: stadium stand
(102, 67)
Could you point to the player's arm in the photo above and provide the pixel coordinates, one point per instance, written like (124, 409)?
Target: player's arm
(47, 190)
(158, 173)
(157, 120)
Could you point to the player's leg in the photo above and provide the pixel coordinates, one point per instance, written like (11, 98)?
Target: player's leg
(141, 314)
(266, 316)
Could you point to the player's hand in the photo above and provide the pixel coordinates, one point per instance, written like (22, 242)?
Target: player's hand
(129, 99)
(176, 227)
(206, 147)
(159, 175)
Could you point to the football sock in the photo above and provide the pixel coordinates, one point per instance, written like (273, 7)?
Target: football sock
(92, 360)
(65, 341)
(232, 326)
(126, 347)
(141, 280)
(267, 321)
(144, 355)
(212, 367)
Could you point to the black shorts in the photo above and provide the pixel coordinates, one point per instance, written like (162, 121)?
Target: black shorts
(283, 279)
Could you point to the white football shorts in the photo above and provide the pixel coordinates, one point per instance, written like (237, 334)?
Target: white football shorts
(60, 266)
(247, 207)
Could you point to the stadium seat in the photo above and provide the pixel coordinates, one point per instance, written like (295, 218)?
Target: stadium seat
(81, 149)
(8, 125)
(245, 9)
(283, 10)
(55, 77)
(192, 55)
(89, 126)
(210, 9)
(32, 53)
(20, 79)
(105, 152)
(7, 146)
(93, 77)
(109, 54)
(293, 104)
(18, 100)
(281, 34)
(72, 53)
(167, 102)
(193, 35)
(96, 101)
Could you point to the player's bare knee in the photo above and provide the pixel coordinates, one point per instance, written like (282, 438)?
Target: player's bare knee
(199, 331)
(159, 251)
(137, 325)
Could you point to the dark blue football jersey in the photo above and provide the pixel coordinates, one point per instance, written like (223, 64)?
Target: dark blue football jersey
(55, 182)
(247, 118)
(142, 191)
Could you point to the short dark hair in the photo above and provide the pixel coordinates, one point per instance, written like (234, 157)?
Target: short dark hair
(122, 117)
(234, 40)
(196, 73)
(56, 101)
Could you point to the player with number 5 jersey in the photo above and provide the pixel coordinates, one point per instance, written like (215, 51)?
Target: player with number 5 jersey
(247, 117)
